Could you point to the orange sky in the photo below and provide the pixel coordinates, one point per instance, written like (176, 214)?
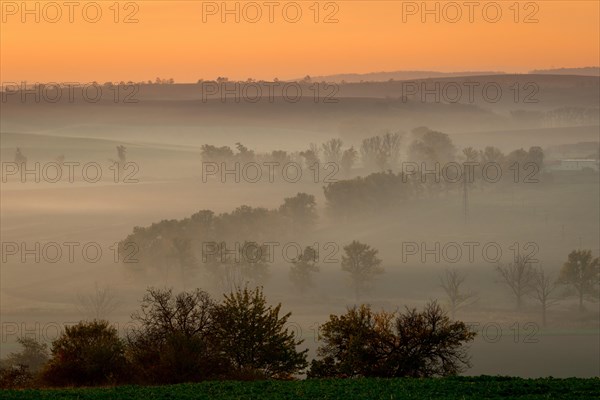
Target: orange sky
(170, 39)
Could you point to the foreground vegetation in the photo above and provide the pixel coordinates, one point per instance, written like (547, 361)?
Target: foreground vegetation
(192, 338)
(483, 387)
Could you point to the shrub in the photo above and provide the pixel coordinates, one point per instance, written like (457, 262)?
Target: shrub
(33, 356)
(254, 339)
(87, 354)
(15, 377)
(363, 343)
(21, 370)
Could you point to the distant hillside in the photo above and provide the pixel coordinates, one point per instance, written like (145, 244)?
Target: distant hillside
(412, 75)
(568, 105)
(587, 71)
(397, 75)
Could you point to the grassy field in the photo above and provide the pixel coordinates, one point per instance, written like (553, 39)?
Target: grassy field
(483, 387)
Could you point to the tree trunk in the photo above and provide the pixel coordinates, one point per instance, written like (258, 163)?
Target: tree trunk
(182, 275)
(543, 315)
(581, 301)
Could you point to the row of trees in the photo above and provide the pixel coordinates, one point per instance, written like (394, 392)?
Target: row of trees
(559, 117)
(359, 260)
(379, 153)
(181, 246)
(190, 337)
(218, 245)
(580, 274)
(428, 175)
(21, 159)
(223, 79)
(157, 81)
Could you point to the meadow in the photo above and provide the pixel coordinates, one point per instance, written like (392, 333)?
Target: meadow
(463, 388)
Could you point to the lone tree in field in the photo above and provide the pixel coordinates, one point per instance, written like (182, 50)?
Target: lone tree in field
(302, 269)
(361, 262)
(518, 277)
(122, 154)
(20, 159)
(363, 343)
(254, 339)
(451, 281)
(544, 287)
(98, 304)
(582, 272)
(87, 354)
(173, 340)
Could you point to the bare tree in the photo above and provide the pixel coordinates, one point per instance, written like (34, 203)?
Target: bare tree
(544, 285)
(470, 154)
(231, 278)
(381, 152)
(518, 276)
(332, 150)
(99, 304)
(370, 153)
(451, 281)
(390, 147)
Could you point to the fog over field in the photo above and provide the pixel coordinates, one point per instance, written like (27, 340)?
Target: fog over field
(422, 224)
(299, 200)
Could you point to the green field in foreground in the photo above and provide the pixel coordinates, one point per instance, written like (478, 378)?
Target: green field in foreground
(347, 389)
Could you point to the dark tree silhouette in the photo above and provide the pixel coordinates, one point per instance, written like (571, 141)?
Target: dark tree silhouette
(87, 354)
(254, 338)
(173, 339)
(363, 343)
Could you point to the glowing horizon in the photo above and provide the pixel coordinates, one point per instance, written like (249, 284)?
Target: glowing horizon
(170, 40)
